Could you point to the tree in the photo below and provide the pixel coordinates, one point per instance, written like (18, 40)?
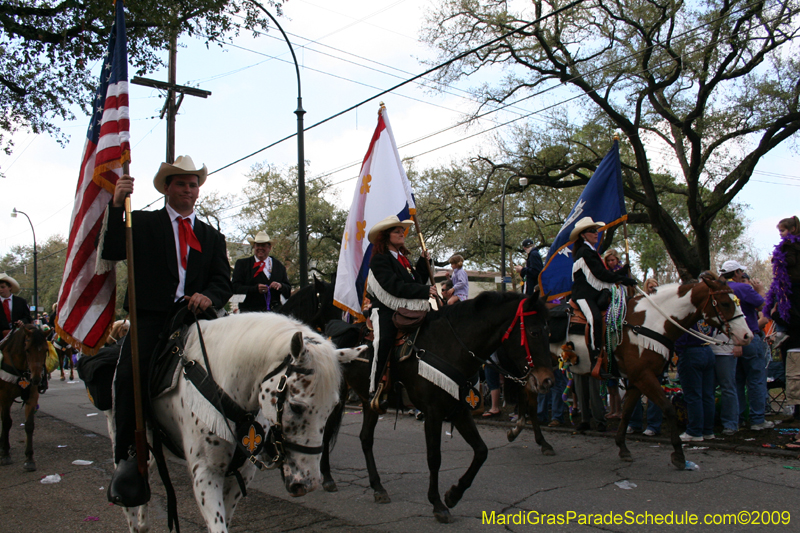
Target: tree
(50, 265)
(48, 47)
(711, 86)
(272, 207)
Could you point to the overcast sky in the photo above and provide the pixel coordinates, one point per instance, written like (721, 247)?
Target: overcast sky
(349, 51)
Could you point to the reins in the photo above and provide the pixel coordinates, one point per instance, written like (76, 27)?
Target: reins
(518, 317)
(693, 333)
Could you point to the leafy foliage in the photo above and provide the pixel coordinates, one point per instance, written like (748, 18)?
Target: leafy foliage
(48, 49)
(701, 92)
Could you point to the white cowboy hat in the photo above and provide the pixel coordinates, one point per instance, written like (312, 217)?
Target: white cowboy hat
(182, 166)
(582, 225)
(386, 223)
(261, 237)
(11, 281)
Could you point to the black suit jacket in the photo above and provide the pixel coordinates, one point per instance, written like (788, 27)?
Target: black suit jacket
(19, 311)
(581, 288)
(156, 262)
(533, 267)
(245, 283)
(397, 281)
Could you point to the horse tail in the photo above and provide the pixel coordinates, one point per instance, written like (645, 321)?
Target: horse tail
(334, 423)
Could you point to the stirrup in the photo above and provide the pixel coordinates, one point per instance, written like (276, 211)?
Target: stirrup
(375, 403)
(128, 487)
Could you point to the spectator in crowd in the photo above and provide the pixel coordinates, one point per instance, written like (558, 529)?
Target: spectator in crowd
(460, 290)
(533, 267)
(750, 366)
(654, 418)
(551, 407)
(493, 383)
(725, 373)
(696, 364)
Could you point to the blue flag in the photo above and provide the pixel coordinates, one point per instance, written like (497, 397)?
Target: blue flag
(603, 200)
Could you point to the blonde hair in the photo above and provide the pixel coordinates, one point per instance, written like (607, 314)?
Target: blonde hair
(650, 285)
(610, 253)
(118, 330)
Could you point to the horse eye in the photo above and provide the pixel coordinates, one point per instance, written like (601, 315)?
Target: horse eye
(297, 408)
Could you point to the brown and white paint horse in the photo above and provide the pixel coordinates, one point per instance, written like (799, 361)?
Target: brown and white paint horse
(641, 359)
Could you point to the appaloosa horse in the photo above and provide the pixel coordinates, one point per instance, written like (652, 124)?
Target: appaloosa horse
(646, 346)
(267, 364)
(21, 372)
(463, 336)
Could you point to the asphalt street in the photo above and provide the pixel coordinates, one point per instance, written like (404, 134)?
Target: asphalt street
(585, 481)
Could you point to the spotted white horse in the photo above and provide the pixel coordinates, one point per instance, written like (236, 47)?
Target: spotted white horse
(652, 324)
(243, 350)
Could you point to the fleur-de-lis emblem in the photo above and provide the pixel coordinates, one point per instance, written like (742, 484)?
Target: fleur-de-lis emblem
(365, 184)
(251, 440)
(472, 399)
(361, 225)
(735, 299)
(24, 383)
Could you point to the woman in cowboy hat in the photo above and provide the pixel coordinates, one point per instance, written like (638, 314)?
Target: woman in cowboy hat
(15, 310)
(261, 277)
(392, 283)
(589, 278)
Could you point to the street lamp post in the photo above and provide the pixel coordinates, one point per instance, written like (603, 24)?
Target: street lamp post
(523, 182)
(301, 167)
(35, 268)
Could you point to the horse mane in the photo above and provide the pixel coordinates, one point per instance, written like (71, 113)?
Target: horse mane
(470, 307)
(239, 341)
(15, 342)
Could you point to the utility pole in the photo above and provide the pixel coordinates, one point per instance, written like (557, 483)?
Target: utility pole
(171, 107)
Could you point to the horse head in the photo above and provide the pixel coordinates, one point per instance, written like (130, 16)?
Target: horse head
(721, 309)
(297, 400)
(531, 348)
(26, 349)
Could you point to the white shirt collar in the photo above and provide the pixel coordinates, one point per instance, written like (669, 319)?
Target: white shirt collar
(174, 214)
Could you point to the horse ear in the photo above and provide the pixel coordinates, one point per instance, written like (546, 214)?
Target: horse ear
(297, 344)
(347, 355)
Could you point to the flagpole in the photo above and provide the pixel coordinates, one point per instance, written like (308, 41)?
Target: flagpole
(422, 244)
(142, 453)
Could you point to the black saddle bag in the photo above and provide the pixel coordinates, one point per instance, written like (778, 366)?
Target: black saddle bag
(97, 373)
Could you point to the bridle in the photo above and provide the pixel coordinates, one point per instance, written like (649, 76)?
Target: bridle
(276, 443)
(720, 317)
(10, 373)
(518, 320)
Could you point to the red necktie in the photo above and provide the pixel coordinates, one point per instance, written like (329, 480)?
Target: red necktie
(259, 266)
(404, 261)
(186, 237)
(7, 309)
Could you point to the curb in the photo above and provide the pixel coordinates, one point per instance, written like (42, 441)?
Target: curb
(638, 437)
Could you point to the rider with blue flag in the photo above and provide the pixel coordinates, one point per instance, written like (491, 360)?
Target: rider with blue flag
(591, 281)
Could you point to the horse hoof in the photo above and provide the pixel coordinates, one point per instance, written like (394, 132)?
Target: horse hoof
(330, 486)
(626, 458)
(678, 462)
(510, 435)
(5, 461)
(443, 517)
(548, 451)
(382, 497)
(29, 466)
(63, 378)
(452, 497)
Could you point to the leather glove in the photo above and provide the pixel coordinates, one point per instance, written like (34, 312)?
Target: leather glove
(629, 282)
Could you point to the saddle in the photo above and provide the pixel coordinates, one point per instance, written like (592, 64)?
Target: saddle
(567, 318)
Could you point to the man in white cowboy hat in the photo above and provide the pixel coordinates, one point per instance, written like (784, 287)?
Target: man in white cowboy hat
(261, 277)
(179, 260)
(591, 281)
(15, 310)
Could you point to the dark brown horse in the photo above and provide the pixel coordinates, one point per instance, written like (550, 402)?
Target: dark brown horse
(642, 354)
(463, 336)
(23, 367)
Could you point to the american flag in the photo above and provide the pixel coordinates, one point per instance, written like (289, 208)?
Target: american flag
(87, 297)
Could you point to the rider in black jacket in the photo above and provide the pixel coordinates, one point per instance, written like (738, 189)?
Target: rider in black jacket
(590, 279)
